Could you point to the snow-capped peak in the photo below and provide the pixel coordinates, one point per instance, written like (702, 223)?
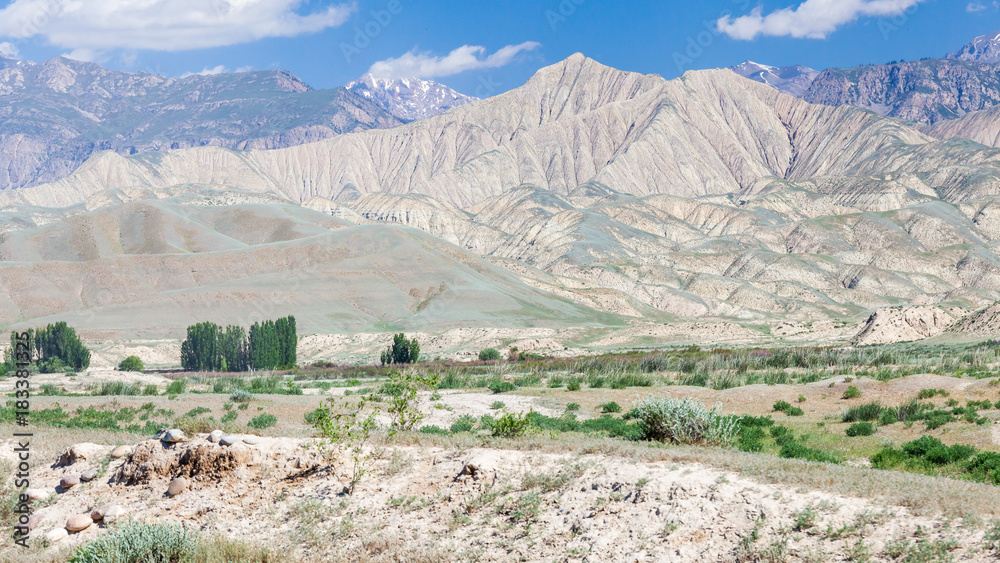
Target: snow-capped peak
(794, 80)
(408, 99)
(983, 49)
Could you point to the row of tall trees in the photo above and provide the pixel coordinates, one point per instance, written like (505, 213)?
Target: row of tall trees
(54, 348)
(269, 345)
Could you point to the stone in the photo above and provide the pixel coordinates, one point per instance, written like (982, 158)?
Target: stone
(174, 435)
(78, 522)
(99, 512)
(176, 487)
(113, 513)
(69, 481)
(121, 451)
(89, 475)
(55, 535)
(80, 452)
(252, 440)
(215, 436)
(37, 494)
(34, 520)
(229, 440)
(160, 433)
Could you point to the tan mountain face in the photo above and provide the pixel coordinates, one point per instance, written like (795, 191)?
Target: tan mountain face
(710, 195)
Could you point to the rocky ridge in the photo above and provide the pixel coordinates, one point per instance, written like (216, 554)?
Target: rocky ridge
(408, 99)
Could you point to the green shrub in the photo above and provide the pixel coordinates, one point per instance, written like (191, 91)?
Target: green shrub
(489, 355)
(889, 458)
(138, 542)
(751, 439)
(262, 421)
(930, 393)
(573, 407)
(500, 386)
(852, 392)
(401, 351)
(799, 451)
(867, 412)
(118, 388)
(684, 421)
(573, 385)
(802, 398)
(150, 389)
(231, 416)
(510, 425)
(860, 429)
(611, 406)
(176, 387)
(241, 396)
(887, 417)
(922, 445)
(431, 429)
(497, 405)
(465, 423)
(131, 363)
(787, 408)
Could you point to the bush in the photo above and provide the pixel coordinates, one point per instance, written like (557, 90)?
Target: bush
(240, 396)
(860, 429)
(852, 393)
(497, 405)
(510, 425)
(131, 363)
(431, 429)
(262, 421)
(798, 451)
(889, 458)
(751, 439)
(887, 417)
(573, 407)
(611, 406)
(176, 387)
(787, 408)
(118, 388)
(489, 355)
(150, 389)
(930, 393)
(684, 421)
(573, 385)
(922, 445)
(867, 412)
(138, 542)
(500, 386)
(465, 423)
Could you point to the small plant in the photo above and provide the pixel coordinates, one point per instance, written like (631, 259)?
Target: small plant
(510, 425)
(150, 389)
(803, 519)
(497, 405)
(241, 396)
(931, 393)
(684, 421)
(262, 421)
(465, 423)
(787, 408)
(229, 416)
(573, 385)
(802, 398)
(176, 387)
(498, 386)
(573, 407)
(138, 541)
(611, 406)
(131, 363)
(489, 355)
(852, 392)
(860, 429)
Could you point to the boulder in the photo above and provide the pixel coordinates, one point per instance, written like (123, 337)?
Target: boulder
(55, 535)
(252, 440)
(99, 512)
(215, 436)
(229, 440)
(121, 451)
(37, 494)
(174, 435)
(89, 475)
(113, 513)
(69, 481)
(34, 520)
(78, 522)
(80, 452)
(176, 487)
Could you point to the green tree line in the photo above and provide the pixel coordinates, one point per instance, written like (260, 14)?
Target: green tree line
(268, 345)
(54, 348)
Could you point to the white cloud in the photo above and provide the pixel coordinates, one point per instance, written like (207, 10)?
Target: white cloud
(466, 57)
(163, 25)
(86, 55)
(9, 50)
(218, 69)
(813, 19)
(974, 7)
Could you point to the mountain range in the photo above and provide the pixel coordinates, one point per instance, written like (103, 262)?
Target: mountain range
(794, 80)
(588, 195)
(408, 99)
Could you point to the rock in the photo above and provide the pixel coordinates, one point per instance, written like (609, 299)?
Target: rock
(55, 535)
(176, 487)
(78, 522)
(80, 452)
(37, 494)
(121, 451)
(174, 435)
(113, 513)
(215, 436)
(228, 440)
(34, 520)
(89, 475)
(69, 481)
(99, 512)
(252, 440)
(160, 434)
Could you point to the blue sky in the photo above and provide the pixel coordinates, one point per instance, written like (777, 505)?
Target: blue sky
(484, 48)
